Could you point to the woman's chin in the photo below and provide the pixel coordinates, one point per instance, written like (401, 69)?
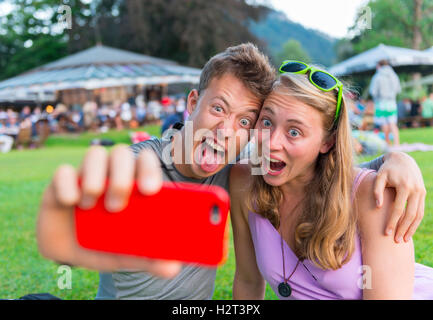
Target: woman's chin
(274, 181)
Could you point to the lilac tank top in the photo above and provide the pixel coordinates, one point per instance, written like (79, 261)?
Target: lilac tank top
(311, 282)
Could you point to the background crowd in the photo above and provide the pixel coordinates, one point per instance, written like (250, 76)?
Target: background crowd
(31, 126)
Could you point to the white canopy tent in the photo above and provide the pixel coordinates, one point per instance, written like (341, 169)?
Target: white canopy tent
(93, 68)
(401, 59)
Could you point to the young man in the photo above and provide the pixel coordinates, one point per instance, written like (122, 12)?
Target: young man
(233, 85)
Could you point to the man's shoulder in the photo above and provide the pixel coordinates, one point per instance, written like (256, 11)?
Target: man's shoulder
(155, 144)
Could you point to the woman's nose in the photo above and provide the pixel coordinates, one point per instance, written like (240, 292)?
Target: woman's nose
(276, 139)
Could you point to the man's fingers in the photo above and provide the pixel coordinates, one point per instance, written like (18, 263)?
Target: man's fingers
(397, 211)
(121, 175)
(407, 219)
(418, 219)
(379, 188)
(93, 176)
(65, 186)
(149, 173)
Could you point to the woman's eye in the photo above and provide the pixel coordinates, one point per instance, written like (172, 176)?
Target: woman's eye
(294, 133)
(266, 123)
(245, 122)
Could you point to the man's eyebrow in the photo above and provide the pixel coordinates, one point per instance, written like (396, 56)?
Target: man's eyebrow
(268, 109)
(224, 100)
(255, 111)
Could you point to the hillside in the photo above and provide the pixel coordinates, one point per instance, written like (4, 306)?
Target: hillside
(276, 28)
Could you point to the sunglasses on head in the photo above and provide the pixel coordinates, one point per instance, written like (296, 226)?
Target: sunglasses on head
(319, 78)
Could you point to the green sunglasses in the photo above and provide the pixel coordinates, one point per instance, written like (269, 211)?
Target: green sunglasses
(319, 78)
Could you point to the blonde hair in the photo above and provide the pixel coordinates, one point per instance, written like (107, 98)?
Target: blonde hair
(326, 227)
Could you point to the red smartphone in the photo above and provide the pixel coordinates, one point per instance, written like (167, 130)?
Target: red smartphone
(183, 221)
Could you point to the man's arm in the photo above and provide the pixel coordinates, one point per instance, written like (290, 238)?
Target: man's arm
(248, 283)
(399, 171)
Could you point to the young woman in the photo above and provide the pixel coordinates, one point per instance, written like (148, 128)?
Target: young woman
(310, 226)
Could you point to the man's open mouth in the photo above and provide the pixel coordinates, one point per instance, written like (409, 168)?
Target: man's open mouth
(211, 156)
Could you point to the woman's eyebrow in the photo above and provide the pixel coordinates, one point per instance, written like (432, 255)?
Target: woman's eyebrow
(298, 122)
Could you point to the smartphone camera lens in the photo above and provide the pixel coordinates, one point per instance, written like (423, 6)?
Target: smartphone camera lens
(215, 215)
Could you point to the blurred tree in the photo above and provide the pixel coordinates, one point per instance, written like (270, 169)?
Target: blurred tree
(28, 36)
(187, 31)
(291, 50)
(404, 23)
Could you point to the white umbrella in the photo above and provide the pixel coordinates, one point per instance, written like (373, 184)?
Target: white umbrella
(401, 59)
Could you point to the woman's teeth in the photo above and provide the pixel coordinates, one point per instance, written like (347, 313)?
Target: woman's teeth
(275, 165)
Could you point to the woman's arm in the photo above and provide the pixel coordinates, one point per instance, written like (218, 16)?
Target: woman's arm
(248, 283)
(390, 265)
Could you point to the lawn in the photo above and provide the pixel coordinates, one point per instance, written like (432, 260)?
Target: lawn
(24, 175)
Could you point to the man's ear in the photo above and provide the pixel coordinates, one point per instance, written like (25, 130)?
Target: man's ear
(327, 144)
(192, 102)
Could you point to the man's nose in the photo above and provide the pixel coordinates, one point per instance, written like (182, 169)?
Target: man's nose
(226, 128)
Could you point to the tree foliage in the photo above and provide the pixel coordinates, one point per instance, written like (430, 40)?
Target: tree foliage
(403, 23)
(291, 50)
(187, 31)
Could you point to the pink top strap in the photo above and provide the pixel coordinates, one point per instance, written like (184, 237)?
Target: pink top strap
(358, 180)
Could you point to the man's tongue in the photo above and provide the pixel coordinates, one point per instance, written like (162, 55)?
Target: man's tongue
(209, 159)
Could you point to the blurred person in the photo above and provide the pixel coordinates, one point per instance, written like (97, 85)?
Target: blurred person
(181, 107)
(25, 113)
(415, 113)
(90, 109)
(141, 108)
(368, 117)
(125, 114)
(384, 87)
(403, 110)
(427, 109)
(154, 110)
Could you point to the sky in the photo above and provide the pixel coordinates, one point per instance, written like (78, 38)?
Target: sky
(332, 17)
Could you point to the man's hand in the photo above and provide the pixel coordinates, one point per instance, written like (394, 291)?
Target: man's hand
(55, 226)
(401, 172)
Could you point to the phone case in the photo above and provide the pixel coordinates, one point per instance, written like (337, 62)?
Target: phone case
(184, 221)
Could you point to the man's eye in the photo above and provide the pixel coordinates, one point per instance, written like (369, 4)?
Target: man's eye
(245, 122)
(294, 133)
(266, 123)
(218, 109)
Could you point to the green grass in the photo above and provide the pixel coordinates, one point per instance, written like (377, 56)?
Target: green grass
(25, 174)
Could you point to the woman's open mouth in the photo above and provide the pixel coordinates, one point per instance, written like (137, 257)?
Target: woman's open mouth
(211, 155)
(274, 166)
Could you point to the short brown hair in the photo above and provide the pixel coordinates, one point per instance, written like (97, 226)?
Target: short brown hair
(246, 63)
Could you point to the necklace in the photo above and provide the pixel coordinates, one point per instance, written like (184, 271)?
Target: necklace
(284, 288)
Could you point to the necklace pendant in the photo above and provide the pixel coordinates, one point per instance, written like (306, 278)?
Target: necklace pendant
(284, 289)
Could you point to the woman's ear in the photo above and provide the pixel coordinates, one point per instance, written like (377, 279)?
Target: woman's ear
(192, 101)
(327, 144)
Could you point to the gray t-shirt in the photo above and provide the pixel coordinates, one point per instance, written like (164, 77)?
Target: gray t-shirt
(193, 282)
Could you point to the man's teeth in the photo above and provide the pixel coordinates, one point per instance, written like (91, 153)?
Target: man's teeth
(215, 146)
